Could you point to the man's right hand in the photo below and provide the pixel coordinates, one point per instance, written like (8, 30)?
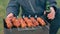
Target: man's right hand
(8, 20)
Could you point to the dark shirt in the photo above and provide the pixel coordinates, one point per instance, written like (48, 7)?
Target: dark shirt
(38, 6)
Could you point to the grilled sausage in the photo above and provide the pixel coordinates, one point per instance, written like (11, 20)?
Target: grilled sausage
(41, 21)
(28, 21)
(16, 22)
(8, 23)
(23, 24)
(13, 19)
(34, 21)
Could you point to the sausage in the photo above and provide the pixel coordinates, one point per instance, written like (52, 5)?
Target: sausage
(8, 23)
(16, 22)
(34, 21)
(13, 19)
(28, 21)
(23, 24)
(41, 21)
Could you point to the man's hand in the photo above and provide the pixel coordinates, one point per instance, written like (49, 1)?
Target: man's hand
(8, 20)
(51, 15)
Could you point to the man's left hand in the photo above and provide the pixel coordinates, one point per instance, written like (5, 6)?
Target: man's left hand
(51, 15)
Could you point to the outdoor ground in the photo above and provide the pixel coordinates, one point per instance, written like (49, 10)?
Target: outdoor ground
(3, 5)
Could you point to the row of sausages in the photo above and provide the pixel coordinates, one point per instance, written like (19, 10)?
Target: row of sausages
(25, 22)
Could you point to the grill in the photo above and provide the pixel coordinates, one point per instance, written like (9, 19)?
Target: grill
(33, 30)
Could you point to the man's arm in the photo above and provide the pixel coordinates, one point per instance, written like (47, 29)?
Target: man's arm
(53, 8)
(53, 4)
(12, 10)
(13, 7)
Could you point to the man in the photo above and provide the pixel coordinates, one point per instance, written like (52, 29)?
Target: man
(33, 7)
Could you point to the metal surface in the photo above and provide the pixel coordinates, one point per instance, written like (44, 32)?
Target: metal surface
(36, 31)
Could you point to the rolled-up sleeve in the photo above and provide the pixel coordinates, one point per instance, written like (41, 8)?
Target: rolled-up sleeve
(13, 7)
(53, 3)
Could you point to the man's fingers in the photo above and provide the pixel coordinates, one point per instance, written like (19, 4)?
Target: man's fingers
(10, 15)
(44, 12)
(50, 16)
(8, 20)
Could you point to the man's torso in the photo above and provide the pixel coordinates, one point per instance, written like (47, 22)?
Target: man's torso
(32, 6)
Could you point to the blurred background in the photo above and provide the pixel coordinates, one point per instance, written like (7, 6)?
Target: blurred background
(3, 5)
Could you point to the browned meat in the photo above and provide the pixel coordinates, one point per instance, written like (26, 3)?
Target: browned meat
(16, 22)
(41, 21)
(28, 21)
(23, 24)
(34, 21)
(8, 23)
